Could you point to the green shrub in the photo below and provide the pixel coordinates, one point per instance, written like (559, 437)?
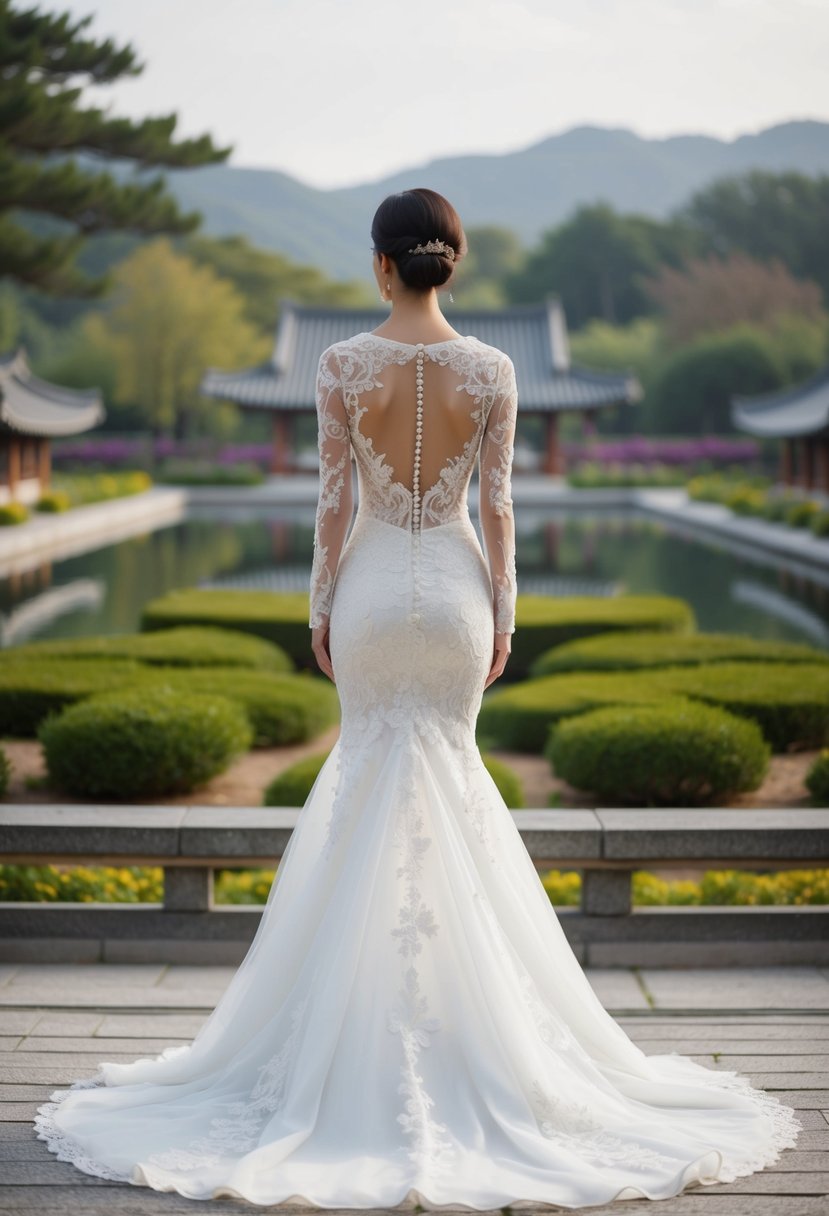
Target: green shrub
(292, 786)
(277, 616)
(674, 754)
(5, 773)
(281, 708)
(142, 742)
(632, 651)
(507, 780)
(790, 702)
(208, 473)
(518, 717)
(53, 501)
(29, 691)
(801, 514)
(185, 646)
(820, 523)
(544, 621)
(817, 779)
(82, 884)
(13, 513)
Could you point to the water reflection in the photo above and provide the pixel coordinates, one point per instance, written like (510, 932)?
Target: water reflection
(732, 588)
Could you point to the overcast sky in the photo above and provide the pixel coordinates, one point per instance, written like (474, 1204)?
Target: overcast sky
(337, 92)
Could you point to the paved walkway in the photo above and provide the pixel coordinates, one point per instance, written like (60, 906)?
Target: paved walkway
(56, 1022)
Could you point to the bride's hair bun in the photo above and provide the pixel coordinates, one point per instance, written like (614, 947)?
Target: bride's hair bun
(416, 217)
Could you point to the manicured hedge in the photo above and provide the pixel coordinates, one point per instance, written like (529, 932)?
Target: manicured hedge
(292, 786)
(790, 703)
(281, 708)
(277, 616)
(632, 651)
(29, 691)
(541, 621)
(518, 717)
(817, 779)
(185, 646)
(145, 742)
(679, 753)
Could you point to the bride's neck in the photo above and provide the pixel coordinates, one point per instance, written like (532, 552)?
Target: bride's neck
(418, 317)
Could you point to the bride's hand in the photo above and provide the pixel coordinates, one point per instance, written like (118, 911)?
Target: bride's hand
(322, 651)
(501, 652)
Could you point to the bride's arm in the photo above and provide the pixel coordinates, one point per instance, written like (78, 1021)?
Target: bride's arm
(335, 502)
(495, 501)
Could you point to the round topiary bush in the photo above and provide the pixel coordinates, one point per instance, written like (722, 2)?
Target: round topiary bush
(817, 779)
(509, 783)
(144, 742)
(632, 651)
(292, 786)
(679, 753)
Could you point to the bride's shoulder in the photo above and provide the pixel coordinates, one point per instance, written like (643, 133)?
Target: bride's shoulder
(492, 356)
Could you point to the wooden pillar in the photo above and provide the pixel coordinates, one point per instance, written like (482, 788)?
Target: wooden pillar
(805, 461)
(822, 463)
(280, 450)
(787, 462)
(14, 464)
(553, 458)
(44, 464)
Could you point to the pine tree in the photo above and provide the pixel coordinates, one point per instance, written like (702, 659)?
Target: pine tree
(49, 202)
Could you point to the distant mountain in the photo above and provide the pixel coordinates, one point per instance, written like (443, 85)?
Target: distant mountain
(527, 190)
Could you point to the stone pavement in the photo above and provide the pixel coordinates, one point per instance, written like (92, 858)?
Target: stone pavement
(56, 1021)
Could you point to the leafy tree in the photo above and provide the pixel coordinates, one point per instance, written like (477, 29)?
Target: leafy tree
(713, 293)
(494, 254)
(51, 203)
(170, 320)
(692, 392)
(767, 215)
(262, 278)
(596, 261)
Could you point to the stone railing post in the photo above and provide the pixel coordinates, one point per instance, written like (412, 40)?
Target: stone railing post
(188, 889)
(606, 892)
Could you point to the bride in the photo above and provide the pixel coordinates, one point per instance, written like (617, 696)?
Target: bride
(410, 1025)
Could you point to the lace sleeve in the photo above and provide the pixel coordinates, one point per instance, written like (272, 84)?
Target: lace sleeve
(495, 501)
(335, 503)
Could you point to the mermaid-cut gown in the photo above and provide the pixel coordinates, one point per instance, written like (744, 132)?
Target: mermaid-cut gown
(410, 1024)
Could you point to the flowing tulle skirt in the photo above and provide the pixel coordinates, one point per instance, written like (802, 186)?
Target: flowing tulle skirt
(410, 1024)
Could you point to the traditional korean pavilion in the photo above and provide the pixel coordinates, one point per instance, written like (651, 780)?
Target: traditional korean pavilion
(33, 411)
(799, 417)
(534, 336)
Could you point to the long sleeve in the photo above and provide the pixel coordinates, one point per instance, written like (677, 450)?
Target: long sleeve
(335, 503)
(495, 501)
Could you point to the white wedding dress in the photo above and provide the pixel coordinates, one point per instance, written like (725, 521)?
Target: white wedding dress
(410, 1024)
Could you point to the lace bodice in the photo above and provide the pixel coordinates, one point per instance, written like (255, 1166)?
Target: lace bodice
(415, 434)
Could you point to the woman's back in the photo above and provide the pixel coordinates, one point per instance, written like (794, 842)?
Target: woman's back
(415, 417)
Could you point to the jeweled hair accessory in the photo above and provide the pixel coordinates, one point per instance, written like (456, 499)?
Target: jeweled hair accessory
(434, 247)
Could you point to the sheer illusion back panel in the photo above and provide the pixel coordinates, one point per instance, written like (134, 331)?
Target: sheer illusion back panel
(414, 465)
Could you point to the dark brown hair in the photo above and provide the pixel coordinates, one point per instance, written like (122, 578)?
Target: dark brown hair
(413, 217)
